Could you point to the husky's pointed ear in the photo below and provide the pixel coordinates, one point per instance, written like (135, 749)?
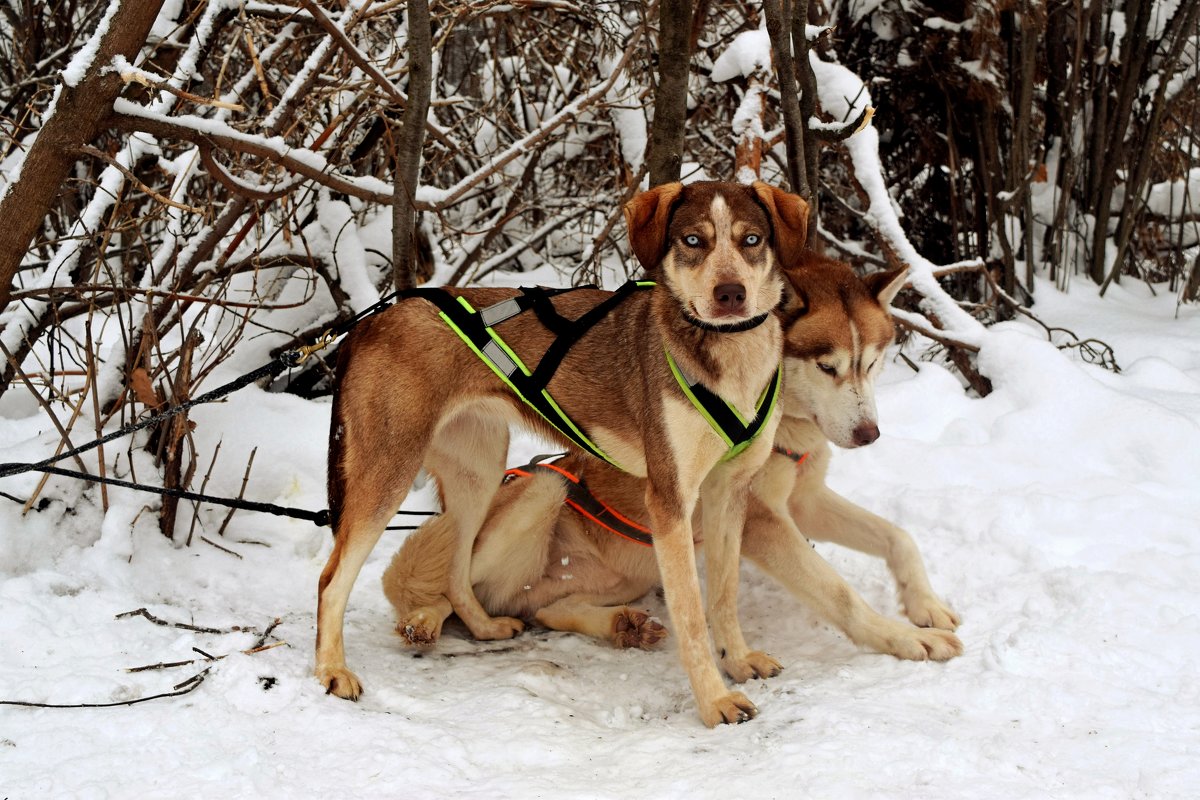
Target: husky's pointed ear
(647, 216)
(789, 222)
(795, 302)
(884, 286)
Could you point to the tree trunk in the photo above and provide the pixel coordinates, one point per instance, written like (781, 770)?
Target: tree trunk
(808, 109)
(665, 158)
(1134, 52)
(779, 29)
(408, 148)
(76, 119)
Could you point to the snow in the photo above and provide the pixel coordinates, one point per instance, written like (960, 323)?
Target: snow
(629, 120)
(167, 21)
(843, 95)
(1175, 198)
(1058, 516)
(337, 234)
(73, 74)
(747, 54)
(302, 157)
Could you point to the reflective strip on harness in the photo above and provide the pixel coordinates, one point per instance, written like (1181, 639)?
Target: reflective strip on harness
(498, 312)
(499, 358)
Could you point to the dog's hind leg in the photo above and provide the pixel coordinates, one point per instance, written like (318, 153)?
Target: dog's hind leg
(367, 504)
(467, 457)
(375, 450)
(596, 616)
(824, 515)
(777, 547)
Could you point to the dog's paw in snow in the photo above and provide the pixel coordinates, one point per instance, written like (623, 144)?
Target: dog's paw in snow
(633, 628)
(340, 681)
(927, 611)
(754, 664)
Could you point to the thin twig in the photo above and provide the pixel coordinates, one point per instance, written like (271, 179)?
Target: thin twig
(207, 540)
(203, 488)
(241, 492)
(66, 439)
(106, 158)
(143, 79)
(142, 612)
(177, 690)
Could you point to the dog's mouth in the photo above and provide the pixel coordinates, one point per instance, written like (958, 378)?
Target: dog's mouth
(717, 314)
(729, 323)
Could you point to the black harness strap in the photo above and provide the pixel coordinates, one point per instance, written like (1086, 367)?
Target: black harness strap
(722, 417)
(320, 518)
(722, 412)
(558, 350)
(538, 298)
(475, 328)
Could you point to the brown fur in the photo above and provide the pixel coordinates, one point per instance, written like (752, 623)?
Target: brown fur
(410, 393)
(536, 558)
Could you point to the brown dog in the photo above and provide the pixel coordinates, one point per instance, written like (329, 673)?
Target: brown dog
(537, 558)
(411, 393)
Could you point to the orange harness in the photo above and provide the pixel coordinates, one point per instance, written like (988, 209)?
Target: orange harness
(799, 458)
(583, 502)
(580, 498)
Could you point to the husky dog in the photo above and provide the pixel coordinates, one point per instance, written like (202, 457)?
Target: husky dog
(542, 555)
(411, 393)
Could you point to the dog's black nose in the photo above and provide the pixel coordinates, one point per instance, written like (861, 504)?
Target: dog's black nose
(730, 297)
(865, 434)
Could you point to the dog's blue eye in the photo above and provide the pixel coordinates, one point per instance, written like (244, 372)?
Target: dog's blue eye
(753, 239)
(828, 370)
(691, 240)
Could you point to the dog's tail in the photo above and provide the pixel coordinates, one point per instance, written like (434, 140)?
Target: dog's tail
(419, 574)
(335, 477)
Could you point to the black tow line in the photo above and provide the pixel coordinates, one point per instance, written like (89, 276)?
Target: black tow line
(285, 360)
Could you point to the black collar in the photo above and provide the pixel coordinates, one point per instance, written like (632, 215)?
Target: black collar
(733, 327)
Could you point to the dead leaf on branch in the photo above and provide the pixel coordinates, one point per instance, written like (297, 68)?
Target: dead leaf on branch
(143, 388)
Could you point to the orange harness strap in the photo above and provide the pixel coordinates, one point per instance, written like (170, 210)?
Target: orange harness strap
(583, 502)
(799, 458)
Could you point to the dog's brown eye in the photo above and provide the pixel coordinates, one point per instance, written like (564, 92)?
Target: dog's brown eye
(691, 240)
(828, 370)
(752, 240)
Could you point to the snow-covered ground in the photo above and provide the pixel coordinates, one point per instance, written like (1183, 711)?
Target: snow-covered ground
(1060, 516)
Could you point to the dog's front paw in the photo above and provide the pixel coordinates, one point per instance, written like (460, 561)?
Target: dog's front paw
(340, 681)
(754, 664)
(731, 708)
(925, 644)
(633, 628)
(497, 628)
(421, 628)
(927, 611)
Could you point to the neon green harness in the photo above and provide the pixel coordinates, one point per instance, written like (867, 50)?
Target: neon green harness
(476, 329)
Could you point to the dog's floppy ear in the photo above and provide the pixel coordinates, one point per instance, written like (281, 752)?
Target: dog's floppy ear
(789, 221)
(647, 216)
(884, 286)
